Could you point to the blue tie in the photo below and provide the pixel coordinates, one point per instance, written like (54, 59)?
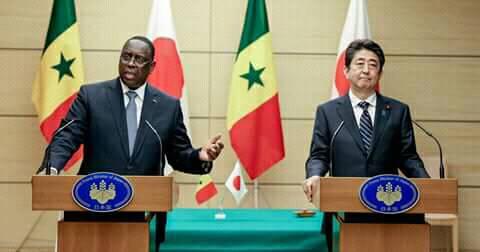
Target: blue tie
(131, 120)
(366, 129)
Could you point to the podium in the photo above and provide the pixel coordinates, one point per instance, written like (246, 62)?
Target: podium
(341, 194)
(151, 194)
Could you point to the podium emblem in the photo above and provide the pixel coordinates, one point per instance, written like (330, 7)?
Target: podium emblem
(102, 192)
(389, 194)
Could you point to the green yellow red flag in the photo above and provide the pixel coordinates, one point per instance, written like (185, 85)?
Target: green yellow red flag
(253, 117)
(61, 70)
(206, 189)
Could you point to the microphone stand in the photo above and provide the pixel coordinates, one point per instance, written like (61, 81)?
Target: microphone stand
(442, 168)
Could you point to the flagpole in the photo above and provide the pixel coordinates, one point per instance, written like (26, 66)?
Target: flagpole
(255, 193)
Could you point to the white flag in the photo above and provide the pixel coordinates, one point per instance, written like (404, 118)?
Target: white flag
(168, 73)
(236, 184)
(356, 27)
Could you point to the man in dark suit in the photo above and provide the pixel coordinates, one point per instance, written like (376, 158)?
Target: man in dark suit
(128, 127)
(377, 135)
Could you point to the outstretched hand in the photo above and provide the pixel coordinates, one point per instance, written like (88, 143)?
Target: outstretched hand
(212, 149)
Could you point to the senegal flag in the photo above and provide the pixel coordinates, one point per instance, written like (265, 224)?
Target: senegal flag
(253, 118)
(206, 189)
(61, 70)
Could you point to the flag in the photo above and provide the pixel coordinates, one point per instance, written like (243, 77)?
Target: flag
(253, 117)
(205, 189)
(235, 183)
(355, 27)
(168, 72)
(60, 73)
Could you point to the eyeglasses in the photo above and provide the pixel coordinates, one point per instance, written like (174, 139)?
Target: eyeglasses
(138, 60)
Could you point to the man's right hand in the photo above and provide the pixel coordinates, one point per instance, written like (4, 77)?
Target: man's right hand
(310, 187)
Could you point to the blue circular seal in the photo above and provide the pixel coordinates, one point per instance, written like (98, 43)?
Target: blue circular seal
(102, 192)
(389, 194)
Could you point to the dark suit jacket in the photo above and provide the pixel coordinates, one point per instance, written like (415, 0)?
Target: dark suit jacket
(393, 145)
(100, 124)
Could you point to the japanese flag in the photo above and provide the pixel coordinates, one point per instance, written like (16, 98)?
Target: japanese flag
(236, 184)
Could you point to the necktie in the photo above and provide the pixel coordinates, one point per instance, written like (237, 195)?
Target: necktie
(366, 129)
(131, 120)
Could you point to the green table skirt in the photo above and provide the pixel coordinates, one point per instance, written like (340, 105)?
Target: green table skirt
(252, 230)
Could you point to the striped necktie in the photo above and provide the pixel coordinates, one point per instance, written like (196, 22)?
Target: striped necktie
(366, 129)
(131, 111)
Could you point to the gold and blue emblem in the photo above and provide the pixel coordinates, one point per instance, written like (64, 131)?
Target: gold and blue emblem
(102, 192)
(389, 194)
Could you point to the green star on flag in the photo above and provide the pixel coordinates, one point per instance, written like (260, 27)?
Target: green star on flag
(64, 67)
(253, 76)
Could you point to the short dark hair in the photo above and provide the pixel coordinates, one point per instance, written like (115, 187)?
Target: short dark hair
(147, 41)
(367, 44)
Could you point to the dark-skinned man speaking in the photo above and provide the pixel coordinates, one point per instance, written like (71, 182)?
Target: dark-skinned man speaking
(128, 127)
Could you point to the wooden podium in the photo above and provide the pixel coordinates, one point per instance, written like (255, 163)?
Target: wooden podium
(341, 194)
(151, 194)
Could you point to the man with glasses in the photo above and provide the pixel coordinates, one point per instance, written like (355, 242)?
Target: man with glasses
(128, 127)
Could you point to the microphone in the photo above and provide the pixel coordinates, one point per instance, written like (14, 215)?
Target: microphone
(46, 157)
(332, 144)
(159, 141)
(442, 169)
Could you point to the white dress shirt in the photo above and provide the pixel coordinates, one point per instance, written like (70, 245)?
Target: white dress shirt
(138, 99)
(357, 110)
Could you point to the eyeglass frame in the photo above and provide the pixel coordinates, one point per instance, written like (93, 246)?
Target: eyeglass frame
(135, 59)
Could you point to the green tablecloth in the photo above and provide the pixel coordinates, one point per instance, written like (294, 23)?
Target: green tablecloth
(252, 230)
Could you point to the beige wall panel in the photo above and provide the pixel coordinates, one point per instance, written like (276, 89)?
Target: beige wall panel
(18, 69)
(24, 23)
(23, 148)
(26, 147)
(423, 83)
(224, 163)
(426, 27)
(45, 232)
(192, 24)
(103, 24)
(461, 145)
(303, 81)
(103, 65)
(435, 88)
(221, 77)
(227, 19)
(17, 72)
(197, 81)
(305, 26)
(17, 217)
(297, 136)
(459, 141)
(277, 196)
(124, 18)
(35, 249)
(469, 216)
(199, 132)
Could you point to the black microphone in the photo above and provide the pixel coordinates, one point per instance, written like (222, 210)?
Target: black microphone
(159, 141)
(332, 144)
(46, 157)
(442, 169)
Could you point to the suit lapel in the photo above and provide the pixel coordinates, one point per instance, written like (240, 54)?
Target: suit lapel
(382, 114)
(117, 106)
(345, 112)
(147, 112)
